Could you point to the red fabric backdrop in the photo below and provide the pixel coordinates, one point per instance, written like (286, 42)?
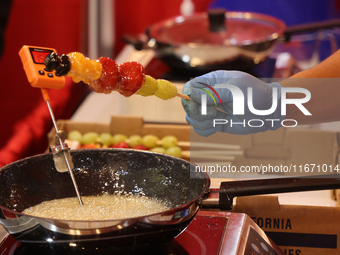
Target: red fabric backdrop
(58, 24)
(24, 115)
(134, 16)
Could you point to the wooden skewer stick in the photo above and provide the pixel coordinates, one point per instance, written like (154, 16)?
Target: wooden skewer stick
(183, 96)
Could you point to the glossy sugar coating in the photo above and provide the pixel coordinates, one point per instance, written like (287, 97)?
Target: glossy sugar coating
(161, 88)
(104, 76)
(84, 69)
(149, 87)
(166, 90)
(108, 79)
(131, 78)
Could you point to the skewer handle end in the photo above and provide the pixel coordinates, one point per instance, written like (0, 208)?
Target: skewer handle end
(183, 96)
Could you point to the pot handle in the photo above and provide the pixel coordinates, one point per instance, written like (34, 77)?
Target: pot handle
(139, 41)
(229, 190)
(310, 27)
(217, 19)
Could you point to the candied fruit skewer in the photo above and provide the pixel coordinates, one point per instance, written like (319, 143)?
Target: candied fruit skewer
(104, 76)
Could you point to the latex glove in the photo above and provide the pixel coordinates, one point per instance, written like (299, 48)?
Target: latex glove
(262, 100)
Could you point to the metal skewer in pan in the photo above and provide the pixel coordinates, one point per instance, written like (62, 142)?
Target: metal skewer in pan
(60, 139)
(33, 62)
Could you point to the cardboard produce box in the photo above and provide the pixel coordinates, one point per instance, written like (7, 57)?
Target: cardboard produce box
(297, 230)
(127, 125)
(293, 148)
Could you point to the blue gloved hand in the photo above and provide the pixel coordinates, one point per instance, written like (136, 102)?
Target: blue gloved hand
(232, 122)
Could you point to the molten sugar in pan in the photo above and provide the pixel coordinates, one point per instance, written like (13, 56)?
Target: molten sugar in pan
(102, 207)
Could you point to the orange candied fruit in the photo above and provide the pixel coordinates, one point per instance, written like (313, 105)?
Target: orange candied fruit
(83, 68)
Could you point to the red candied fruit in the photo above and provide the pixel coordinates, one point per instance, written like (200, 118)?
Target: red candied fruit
(131, 78)
(108, 81)
(123, 145)
(140, 147)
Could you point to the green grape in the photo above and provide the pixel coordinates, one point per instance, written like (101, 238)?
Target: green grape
(174, 151)
(158, 149)
(150, 141)
(90, 137)
(135, 140)
(106, 139)
(169, 141)
(75, 135)
(118, 138)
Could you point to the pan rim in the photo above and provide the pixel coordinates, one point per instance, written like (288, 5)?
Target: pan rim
(153, 30)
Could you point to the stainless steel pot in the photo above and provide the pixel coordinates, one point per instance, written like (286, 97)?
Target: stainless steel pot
(215, 40)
